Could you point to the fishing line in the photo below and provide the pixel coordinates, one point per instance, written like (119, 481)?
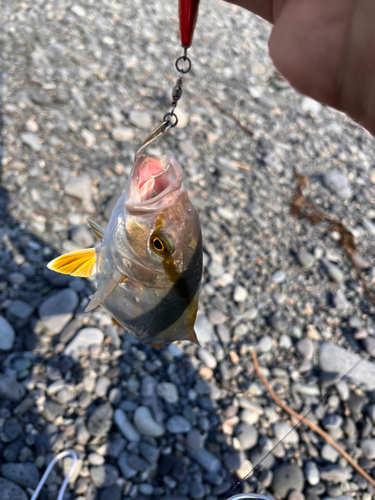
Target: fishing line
(58, 457)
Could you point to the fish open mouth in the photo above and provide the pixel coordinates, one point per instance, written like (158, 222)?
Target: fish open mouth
(154, 183)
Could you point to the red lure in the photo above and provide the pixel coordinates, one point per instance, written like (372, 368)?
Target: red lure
(188, 12)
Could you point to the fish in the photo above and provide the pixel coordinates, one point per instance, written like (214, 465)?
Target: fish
(149, 262)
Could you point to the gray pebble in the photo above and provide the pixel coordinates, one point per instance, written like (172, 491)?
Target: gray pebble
(95, 459)
(335, 473)
(126, 427)
(306, 259)
(83, 340)
(334, 272)
(24, 474)
(20, 310)
(140, 119)
(240, 294)
(329, 453)
(103, 475)
(65, 395)
(285, 342)
(178, 424)
(312, 473)
(278, 323)
(111, 493)
(207, 358)
(82, 433)
(149, 452)
(82, 236)
(32, 140)
(340, 301)
(224, 334)
(121, 134)
(52, 410)
(126, 469)
(10, 389)
(286, 477)
(338, 184)
(265, 344)
(371, 412)
(247, 436)
(204, 330)
(278, 277)
(194, 439)
(168, 392)
(306, 348)
(196, 487)
(7, 335)
(100, 421)
(205, 459)
(57, 311)
(368, 448)
(79, 187)
(101, 386)
(281, 430)
(146, 424)
(333, 358)
(11, 491)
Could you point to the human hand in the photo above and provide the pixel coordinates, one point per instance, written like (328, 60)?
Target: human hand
(325, 49)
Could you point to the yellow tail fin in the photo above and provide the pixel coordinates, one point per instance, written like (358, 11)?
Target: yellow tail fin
(77, 263)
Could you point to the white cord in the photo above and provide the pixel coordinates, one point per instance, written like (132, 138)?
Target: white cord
(63, 454)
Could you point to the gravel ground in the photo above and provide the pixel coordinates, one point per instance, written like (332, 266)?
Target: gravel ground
(82, 85)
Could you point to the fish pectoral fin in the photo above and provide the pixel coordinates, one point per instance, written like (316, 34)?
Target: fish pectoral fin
(78, 263)
(103, 292)
(192, 337)
(97, 230)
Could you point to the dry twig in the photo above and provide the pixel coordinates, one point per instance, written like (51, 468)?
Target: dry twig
(310, 424)
(304, 208)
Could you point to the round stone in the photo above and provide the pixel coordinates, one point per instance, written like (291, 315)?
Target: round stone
(306, 259)
(7, 335)
(168, 392)
(265, 344)
(57, 311)
(312, 473)
(177, 424)
(146, 424)
(194, 439)
(306, 348)
(240, 294)
(287, 477)
(247, 436)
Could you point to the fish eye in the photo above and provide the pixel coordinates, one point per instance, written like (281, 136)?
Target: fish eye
(161, 244)
(158, 244)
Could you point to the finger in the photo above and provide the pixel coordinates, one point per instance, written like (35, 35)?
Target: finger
(262, 8)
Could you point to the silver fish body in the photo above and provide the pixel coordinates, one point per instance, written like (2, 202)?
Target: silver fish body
(149, 263)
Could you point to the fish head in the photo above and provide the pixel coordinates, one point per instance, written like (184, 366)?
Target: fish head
(158, 237)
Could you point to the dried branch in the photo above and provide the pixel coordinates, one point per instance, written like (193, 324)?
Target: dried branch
(310, 424)
(304, 208)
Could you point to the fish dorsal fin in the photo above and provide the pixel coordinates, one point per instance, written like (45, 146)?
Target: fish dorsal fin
(97, 230)
(78, 263)
(104, 291)
(192, 337)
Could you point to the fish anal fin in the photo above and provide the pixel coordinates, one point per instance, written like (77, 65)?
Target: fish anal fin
(78, 263)
(192, 336)
(157, 345)
(117, 323)
(97, 230)
(103, 292)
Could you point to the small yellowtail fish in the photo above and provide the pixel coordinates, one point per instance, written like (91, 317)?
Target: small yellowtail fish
(149, 262)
